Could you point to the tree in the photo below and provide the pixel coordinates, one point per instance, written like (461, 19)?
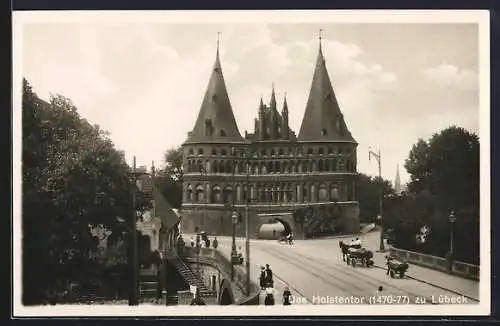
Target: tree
(73, 179)
(368, 195)
(170, 178)
(448, 167)
(444, 174)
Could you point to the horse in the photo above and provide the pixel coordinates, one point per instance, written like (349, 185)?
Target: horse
(344, 248)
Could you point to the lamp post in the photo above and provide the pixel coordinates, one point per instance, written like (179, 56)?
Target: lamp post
(452, 220)
(380, 217)
(134, 261)
(234, 254)
(246, 160)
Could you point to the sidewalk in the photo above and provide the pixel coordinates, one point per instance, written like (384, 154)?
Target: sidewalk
(452, 283)
(279, 284)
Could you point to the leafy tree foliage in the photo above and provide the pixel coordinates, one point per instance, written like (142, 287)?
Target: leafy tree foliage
(73, 179)
(444, 175)
(170, 178)
(368, 195)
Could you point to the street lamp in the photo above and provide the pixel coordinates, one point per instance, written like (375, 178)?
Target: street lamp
(378, 157)
(234, 254)
(245, 158)
(452, 220)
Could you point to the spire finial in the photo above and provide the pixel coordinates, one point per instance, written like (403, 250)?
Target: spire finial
(320, 37)
(218, 40)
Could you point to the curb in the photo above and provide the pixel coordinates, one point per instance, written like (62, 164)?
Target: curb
(432, 284)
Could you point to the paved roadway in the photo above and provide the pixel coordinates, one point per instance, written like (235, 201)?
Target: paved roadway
(315, 273)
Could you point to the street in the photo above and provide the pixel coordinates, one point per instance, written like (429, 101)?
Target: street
(315, 273)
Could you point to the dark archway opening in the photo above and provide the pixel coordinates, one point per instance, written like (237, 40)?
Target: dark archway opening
(286, 226)
(225, 298)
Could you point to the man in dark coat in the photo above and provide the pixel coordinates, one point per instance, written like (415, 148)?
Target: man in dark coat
(286, 296)
(269, 276)
(262, 277)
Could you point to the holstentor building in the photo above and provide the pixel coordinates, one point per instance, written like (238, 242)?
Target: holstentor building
(286, 171)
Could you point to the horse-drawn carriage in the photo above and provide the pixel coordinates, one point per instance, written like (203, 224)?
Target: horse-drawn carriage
(354, 255)
(396, 267)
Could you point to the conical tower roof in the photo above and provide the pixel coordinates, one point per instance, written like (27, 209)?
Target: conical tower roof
(215, 122)
(323, 120)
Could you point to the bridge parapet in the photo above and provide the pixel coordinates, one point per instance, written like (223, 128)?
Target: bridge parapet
(438, 263)
(214, 258)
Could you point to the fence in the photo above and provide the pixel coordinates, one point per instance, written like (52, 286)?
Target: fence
(438, 263)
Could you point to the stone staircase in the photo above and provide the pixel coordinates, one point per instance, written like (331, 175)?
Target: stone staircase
(189, 276)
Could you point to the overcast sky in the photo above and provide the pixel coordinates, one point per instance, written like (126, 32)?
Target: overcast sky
(144, 83)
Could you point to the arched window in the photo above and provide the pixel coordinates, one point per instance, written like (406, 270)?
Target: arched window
(323, 193)
(228, 195)
(191, 152)
(216, 195)
(321, 151)
(334, 193)
(190, 193)
(330, 150)
(223, 152)
(273, 152)
(200, 194)
(334, 165)
(214, 152)
(281, 151)
(222, 133)
(309, 151)
(200, 151)
(305, 194)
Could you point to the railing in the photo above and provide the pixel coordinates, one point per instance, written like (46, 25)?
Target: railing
(438, 263)
(211, 256)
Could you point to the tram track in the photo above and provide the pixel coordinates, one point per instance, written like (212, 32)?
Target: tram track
(330, 275)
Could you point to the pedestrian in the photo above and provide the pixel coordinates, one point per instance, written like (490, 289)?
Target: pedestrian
(215, 244)
(379, 290)
(269, 299)
(262, 277)
(388, 263)
(208, 243)
(192, 242)
(197, 301)
(269, 276)
(286, 296)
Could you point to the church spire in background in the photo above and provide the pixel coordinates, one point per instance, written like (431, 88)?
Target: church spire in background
(397, 182)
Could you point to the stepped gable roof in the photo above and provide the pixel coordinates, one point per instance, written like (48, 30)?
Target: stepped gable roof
(215, 122)
(323, 119)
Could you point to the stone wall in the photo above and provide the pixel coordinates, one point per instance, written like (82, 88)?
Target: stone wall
(438, 263)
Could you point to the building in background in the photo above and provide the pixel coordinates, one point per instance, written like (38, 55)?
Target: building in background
(315, 168)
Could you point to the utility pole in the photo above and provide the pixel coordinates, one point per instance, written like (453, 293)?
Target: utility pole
(378, 157)
(134, 295)
(247, 235)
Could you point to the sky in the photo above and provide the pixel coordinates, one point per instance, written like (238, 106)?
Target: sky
(144, 82)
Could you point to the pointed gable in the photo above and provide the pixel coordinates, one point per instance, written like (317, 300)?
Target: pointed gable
(323, 120)
(215, 122)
